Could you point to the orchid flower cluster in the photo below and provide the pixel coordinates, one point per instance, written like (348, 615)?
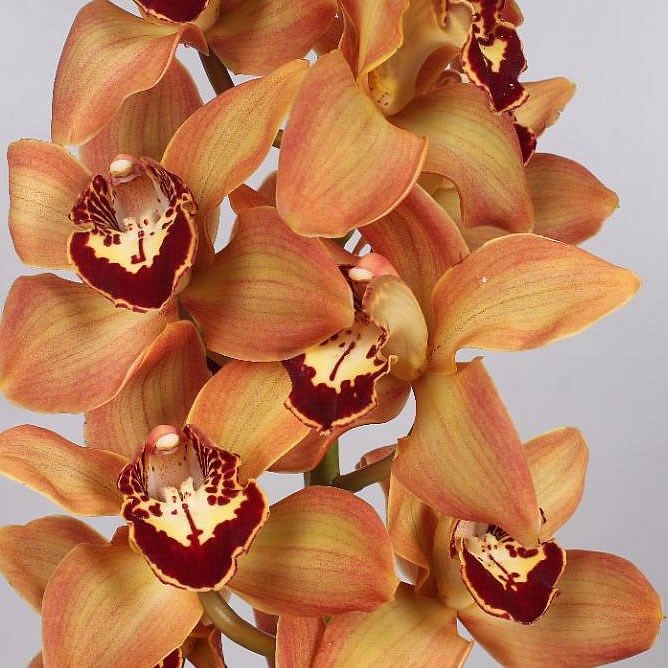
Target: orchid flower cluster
(410, 217)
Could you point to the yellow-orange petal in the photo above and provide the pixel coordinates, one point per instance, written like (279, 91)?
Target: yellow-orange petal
(159, 390)
(188, 512)
(464, 457)
(523, 291)
(104, 608)
(64, 348)
(571, 204)
(241, 409)
(547, 99)
(270, 293)
(408, 631)
(392, 395)
(44, 182)
(99, 69)
(478, 150)
(421, 241)
(297, 641)
(339, 537)
(606, 611)
(225, 141)
(558, 463)
(146, 122)
(257, 36)
(30, 553)
(372, 32)
(78, 479)
(329, 180)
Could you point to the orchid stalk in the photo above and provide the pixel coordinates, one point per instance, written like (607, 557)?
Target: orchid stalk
(411, 217)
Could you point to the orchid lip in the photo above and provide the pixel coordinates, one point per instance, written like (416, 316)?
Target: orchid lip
(188, 513)
(137, 236)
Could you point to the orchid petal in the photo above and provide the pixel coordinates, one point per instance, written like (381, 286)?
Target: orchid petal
(546, 101)
(475, 148)
(464, 457)
(410, 630)
(146, 122)
(372, 32)
(188, 513)
(98, 68)
(80, 480)
(523, 291)
(173, 660)
(207, 652)
(66, 348)
(225, 141)
(44, 182)
(297, 641)
(160, 390)
(606, 611)
(104, 608)
(328, 177)
(241, 409)
(29, 554)
(257, 36)
(421, 241)
(270, 293)
(323, 551)
(184, 11)
(558, 463)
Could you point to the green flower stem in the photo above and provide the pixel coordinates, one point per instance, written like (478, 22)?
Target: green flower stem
(234, 627)
(218, 74)
(327, 470)
(358, 480)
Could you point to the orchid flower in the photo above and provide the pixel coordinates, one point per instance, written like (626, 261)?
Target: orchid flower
(197, 519)
(98, 67)
(140, 239)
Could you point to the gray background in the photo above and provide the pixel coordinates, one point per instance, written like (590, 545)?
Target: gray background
(610, 381)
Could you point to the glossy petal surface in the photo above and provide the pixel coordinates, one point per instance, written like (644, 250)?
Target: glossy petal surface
(44, 182)
(328, 177)
(523, 291)
(78, 479)
(342, 540)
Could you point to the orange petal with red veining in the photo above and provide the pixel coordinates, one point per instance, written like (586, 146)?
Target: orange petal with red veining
(558, 463)
(546, 101)
(270, 293)
(64, 347)
(257, 36)
(80, 480)
(242, 410)
(146, 122)
(606, 611)
(421, 241)
(523, 291)
(104, 608)
(410, 630)
(225, 141)
(478, 150)
(329, 180)
(44, 182)
(464, 457)
(188, 513)
(339, 537)
(297, 641)
(30, 553)
(99, 70)
(160, 390)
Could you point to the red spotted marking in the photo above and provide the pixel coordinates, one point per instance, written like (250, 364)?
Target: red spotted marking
(187, 511)
(175, 11)
(528, 141)
(505, 578)
(136, 245)
(493, 57)
(174, 659)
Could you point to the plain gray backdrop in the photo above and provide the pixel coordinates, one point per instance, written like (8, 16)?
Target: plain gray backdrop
(609, 381)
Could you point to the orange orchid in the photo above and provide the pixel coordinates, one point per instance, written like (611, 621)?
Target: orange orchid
(98, 68)
(142, 240)
(197, 519)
